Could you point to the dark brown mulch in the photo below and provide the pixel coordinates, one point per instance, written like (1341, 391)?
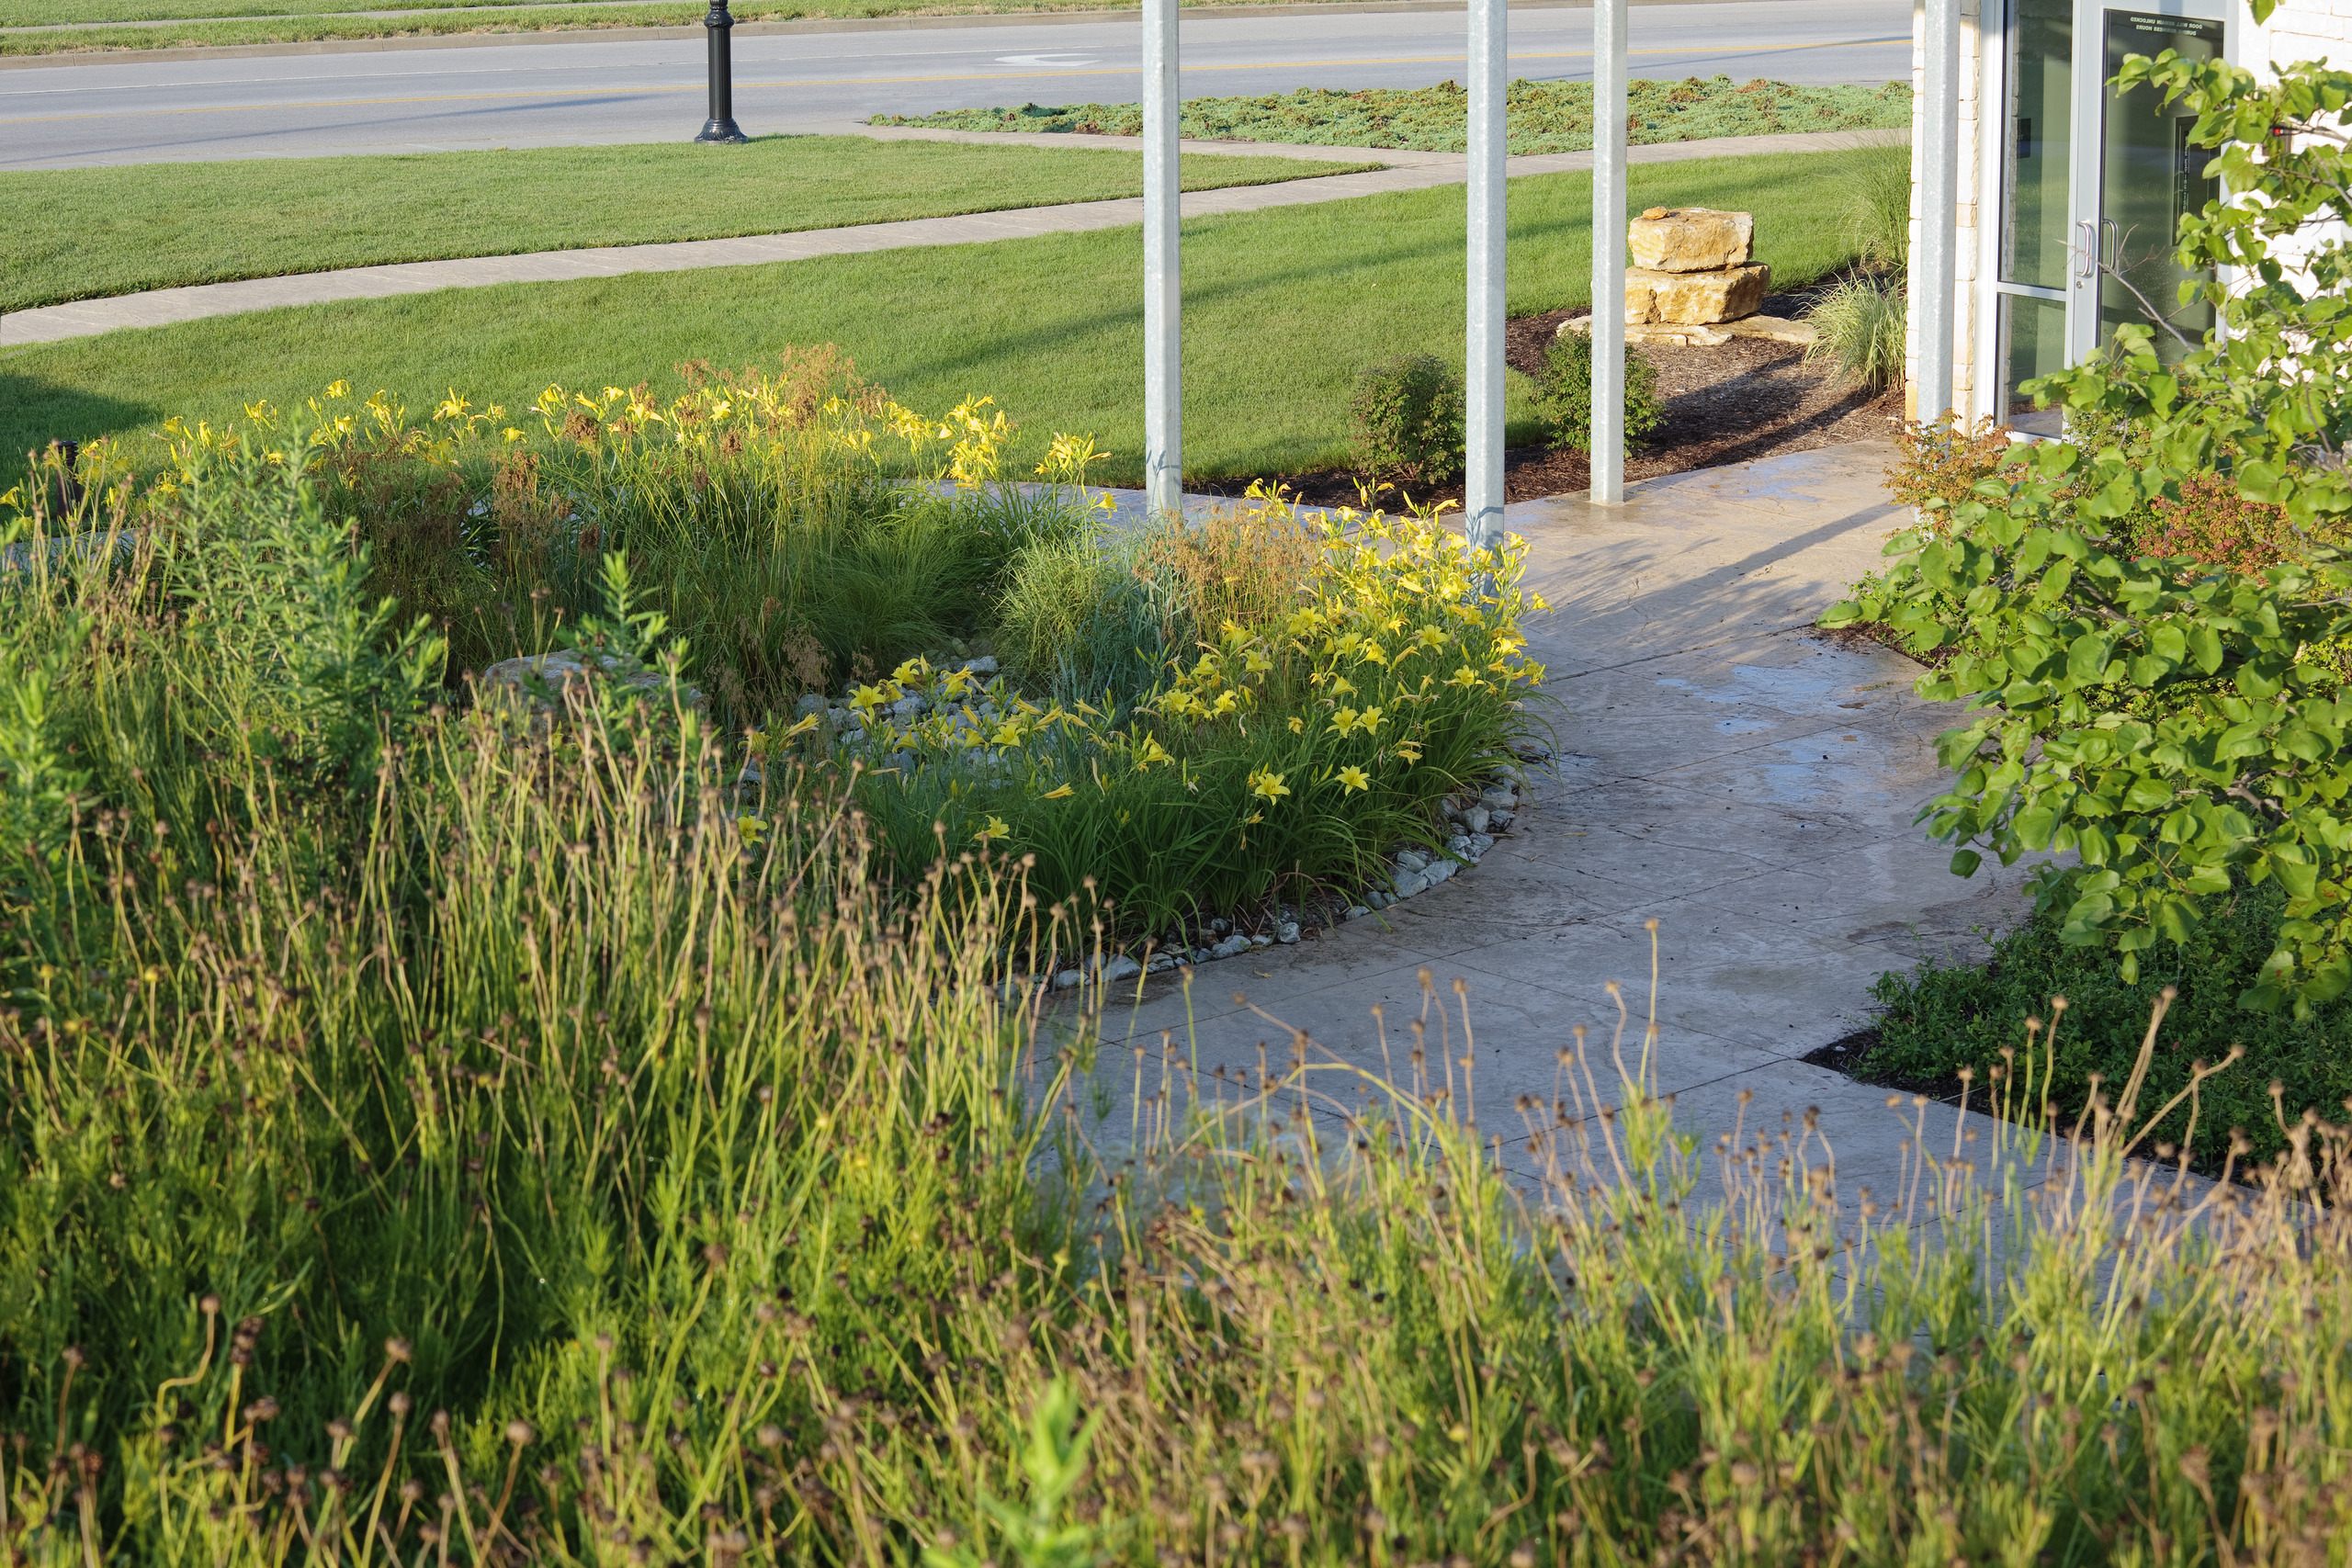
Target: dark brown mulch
(1734, 404)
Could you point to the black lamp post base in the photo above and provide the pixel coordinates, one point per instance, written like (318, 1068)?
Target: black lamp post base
(721, 130)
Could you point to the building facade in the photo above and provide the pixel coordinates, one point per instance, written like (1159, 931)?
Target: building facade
(2071, 192)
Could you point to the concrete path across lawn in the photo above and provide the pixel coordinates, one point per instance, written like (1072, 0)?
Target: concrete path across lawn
(1406, 171)
(1722, 769)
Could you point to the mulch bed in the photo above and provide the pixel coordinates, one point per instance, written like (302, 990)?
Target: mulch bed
(1746, 399)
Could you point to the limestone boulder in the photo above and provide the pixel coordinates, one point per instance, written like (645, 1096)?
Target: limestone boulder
(1685, 297)
(1691, 239)
(536, 686)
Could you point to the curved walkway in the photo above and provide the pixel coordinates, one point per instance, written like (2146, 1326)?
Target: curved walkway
(1405, 171)
(1723, 769)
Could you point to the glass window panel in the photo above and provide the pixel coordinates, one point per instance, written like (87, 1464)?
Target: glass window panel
(2149, 177)
(2033, 343)
(2034, 232)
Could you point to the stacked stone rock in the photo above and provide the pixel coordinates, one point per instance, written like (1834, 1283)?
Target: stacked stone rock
(1694, 280)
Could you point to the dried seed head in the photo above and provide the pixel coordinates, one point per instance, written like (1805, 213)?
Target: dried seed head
(519, 1433)
(399, 1349)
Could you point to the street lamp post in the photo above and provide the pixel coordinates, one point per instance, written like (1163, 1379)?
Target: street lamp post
(722, 126)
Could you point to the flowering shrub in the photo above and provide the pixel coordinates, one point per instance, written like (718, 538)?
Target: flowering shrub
(1291, 756)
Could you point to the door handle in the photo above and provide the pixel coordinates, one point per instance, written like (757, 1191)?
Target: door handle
(2111, 242)
(2086, 248)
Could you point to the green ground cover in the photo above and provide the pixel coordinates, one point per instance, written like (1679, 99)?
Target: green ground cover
(1942, 1018)
(80, 234)
(429, 1135)
(1546, 117)
(1284, 308)
(302, 21)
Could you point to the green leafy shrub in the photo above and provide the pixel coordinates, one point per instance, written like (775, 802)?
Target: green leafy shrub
(1857, 327)
(2179, 725)
(1564, 394)
(1408, 413)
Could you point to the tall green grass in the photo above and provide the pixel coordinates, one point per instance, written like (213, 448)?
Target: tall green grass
(427, 1136)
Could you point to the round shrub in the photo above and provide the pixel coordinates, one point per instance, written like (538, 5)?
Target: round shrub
(1564, 394)
(1407, 415)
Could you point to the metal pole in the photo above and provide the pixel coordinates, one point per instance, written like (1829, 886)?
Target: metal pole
(1608, 324)
(1489, 138)
(1934, 262)
(1163, 331)
(722, 126)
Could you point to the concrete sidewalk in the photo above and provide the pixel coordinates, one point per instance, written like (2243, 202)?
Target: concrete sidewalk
(1722, 769)
(1405, 170)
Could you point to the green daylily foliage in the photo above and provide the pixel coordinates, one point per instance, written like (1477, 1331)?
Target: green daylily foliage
(2173, 727)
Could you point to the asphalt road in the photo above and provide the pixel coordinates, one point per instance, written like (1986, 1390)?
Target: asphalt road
(627, 89)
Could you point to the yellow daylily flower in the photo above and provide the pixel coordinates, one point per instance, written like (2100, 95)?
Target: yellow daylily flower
(1297, 724)
(1268, 784)
(1353, 779)
(1410, 753)
(995, 830)
(1064, 792)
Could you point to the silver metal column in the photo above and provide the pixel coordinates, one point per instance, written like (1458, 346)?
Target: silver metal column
(1163, 333)
(1489, 80)
(1608, 251)
(1934, 260)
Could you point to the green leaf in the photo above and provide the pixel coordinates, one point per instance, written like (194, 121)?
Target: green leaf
(2205, 643)
(1966, 861)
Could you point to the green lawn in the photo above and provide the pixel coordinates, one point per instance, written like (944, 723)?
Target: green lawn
(296, 21)
(1282, 309)
(1546, 117)
(80, 234)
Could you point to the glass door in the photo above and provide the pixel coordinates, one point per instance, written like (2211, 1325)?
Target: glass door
(2135, 175)
(2032, 265)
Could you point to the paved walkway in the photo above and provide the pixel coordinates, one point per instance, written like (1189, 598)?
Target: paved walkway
(1405, 171)
(1723, 770)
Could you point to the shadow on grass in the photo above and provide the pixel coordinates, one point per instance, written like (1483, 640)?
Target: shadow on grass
(35, 411)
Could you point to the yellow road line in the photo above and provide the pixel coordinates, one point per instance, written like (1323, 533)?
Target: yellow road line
(883, 81)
